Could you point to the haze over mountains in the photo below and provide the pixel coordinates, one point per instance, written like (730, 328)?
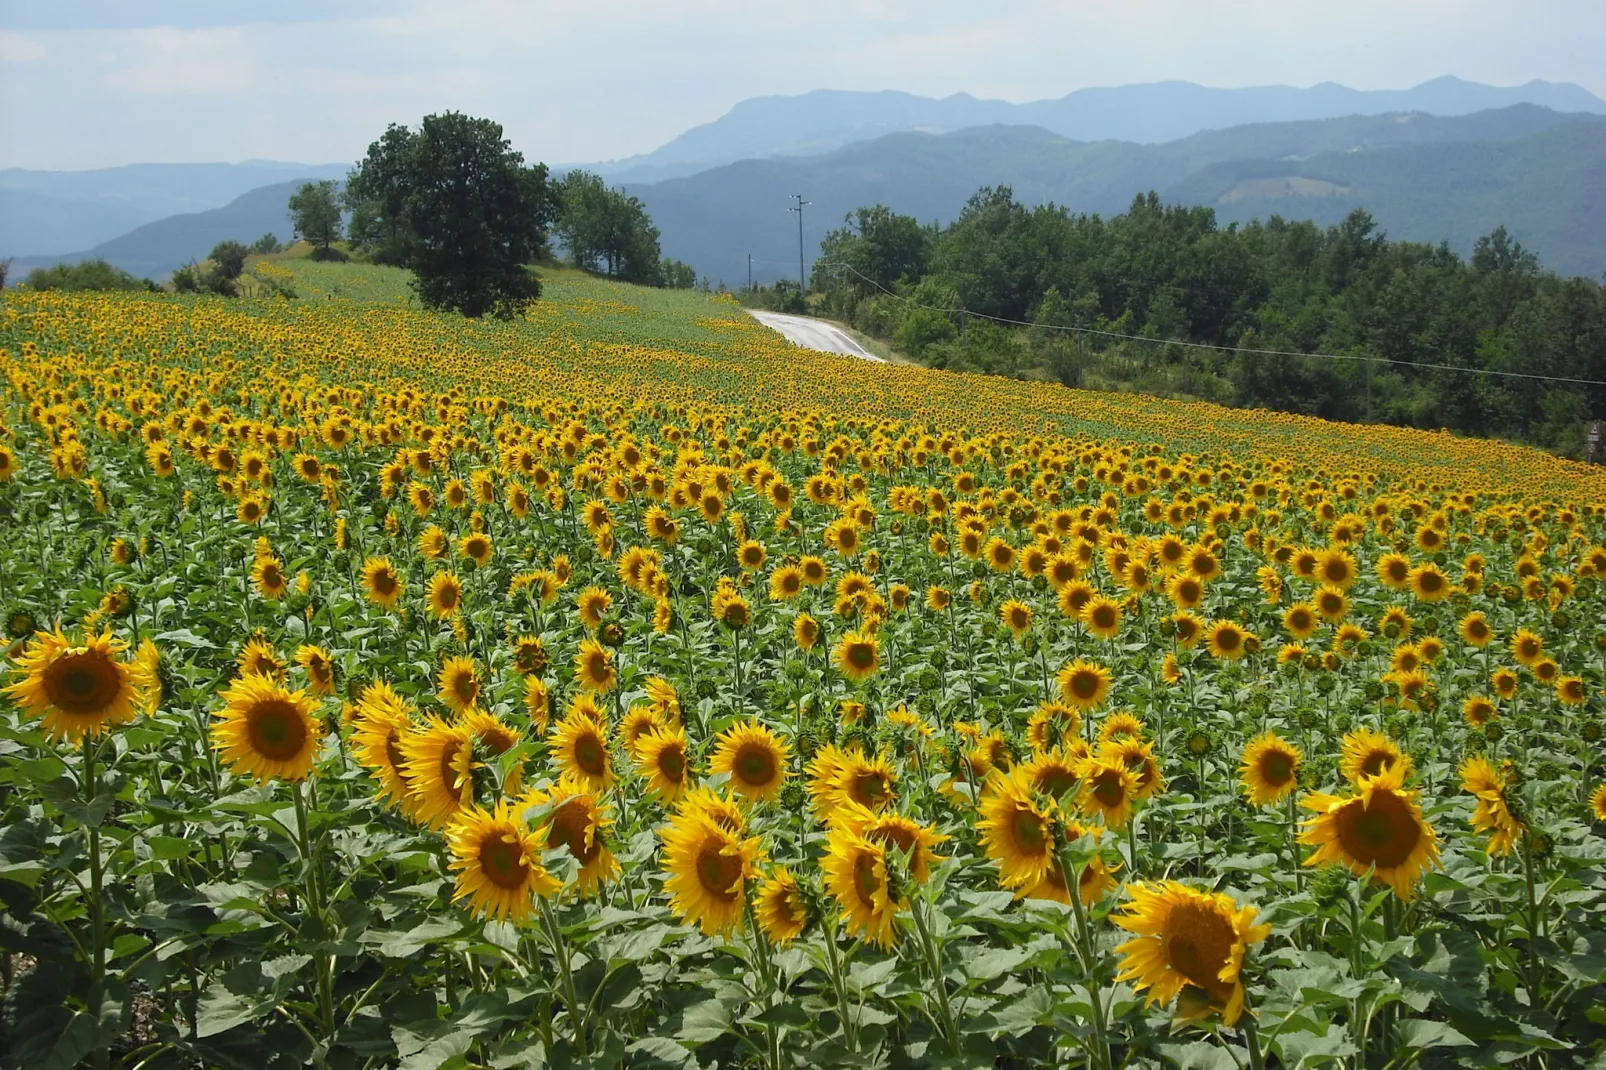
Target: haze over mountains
(1446, 161)
(827, 119)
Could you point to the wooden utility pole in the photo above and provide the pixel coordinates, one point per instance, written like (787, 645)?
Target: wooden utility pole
(802, 285)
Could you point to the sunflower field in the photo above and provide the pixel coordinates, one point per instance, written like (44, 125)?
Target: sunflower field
(623, 686)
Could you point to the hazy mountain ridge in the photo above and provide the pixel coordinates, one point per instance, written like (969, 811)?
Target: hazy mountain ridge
(1425, 178)
(44, 213)
(823, 120)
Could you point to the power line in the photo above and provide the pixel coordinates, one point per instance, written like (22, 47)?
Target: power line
(802, 285)
(1212, 346)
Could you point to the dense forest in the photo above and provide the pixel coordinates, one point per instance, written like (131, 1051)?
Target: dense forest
(1170, 274)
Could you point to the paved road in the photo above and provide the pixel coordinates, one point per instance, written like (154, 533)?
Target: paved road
(813, 334)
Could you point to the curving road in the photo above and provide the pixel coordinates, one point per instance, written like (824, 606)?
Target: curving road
(813, 334)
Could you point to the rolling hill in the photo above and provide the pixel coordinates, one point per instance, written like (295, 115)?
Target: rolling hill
(157, 248)
(1424, 178)
(50, 213)
(822, 121)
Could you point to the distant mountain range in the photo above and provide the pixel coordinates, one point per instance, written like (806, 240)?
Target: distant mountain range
(46, 213)
(157, 248)
(828, 119)
(1443, 172)
(1423, 178)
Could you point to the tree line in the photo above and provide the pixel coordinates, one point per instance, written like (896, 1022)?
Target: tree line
(1170, 274)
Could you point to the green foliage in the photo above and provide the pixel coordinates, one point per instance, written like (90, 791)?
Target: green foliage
(315, 209)
(84, 275)
(1172, 273)
(454, 202)
(267, 245)
(676, 275)
(607, 230)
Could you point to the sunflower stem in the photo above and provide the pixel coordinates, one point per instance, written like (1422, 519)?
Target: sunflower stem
(97, 904)
(1257, 1059)
(322, 963)
(838, 983)
(934, 960)
(1084, 944)
(560, 949)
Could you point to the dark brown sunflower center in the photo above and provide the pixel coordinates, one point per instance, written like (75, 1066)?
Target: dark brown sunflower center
(672, 763)
(865, 880)
(384, 581)
(394, 755)
(717, 871)
(589, 754)
(448, 767)
(1109, 790)
(82, 684)
(1198, 944)
(465, 687)
(277, 731)
(1027, 828)
(754, 764)
(1276, 769)
(1384, 833)
(502, 861)
(1376, 762)
(569, 826)
(861, 655)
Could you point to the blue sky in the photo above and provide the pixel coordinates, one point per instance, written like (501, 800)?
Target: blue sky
(96, 83)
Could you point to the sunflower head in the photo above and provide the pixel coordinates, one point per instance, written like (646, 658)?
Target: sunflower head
(857, 656)
(79, 690)
(266, 731)
(1187, 941)
(857, 877)
(1379, 829)
(781, 907)
(1269, 770)
(579, 745)
(497, 859)
(707, 869)
(755, 759)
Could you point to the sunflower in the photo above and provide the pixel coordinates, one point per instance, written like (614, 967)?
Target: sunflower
(439, 767)
(780, 908)
(856, 876)
(569, 816)
(938, 598)
(1226, 640)
(593, 667)
(1365, 753)
(754, 758)
(490, 732)
(320, 669)
(805, 631)
(1332, 603)
(1051, 724)
(592, 605)
(1187, 628)
(638, 721)
(861, 781)
(786, 583)
(78, 690)
(433, 542)
(1102, 617)
(664, 757)
(475, 546)
(445, 596)
(1120, 725)
(706, 870)
(1475, 629)
(259, 658)
(1430, 584)
(459, 684)
(1084, 684)
(1597, 803)
(1335, 568)
(1504, 682)
(907, 836)
(1016, 616)
(1016, 831)
(497, 859)
(1108, 788)
(1299, 620)
(1394, 571)
(1269, 769)
(1184, 938)
(857, 656)
(579, 745)
(1138, 757)
(383, 721)
(1492, 813)
(1378, 830)
(382, 581)
(1094, 882)
(267, 573)
(266, 731)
